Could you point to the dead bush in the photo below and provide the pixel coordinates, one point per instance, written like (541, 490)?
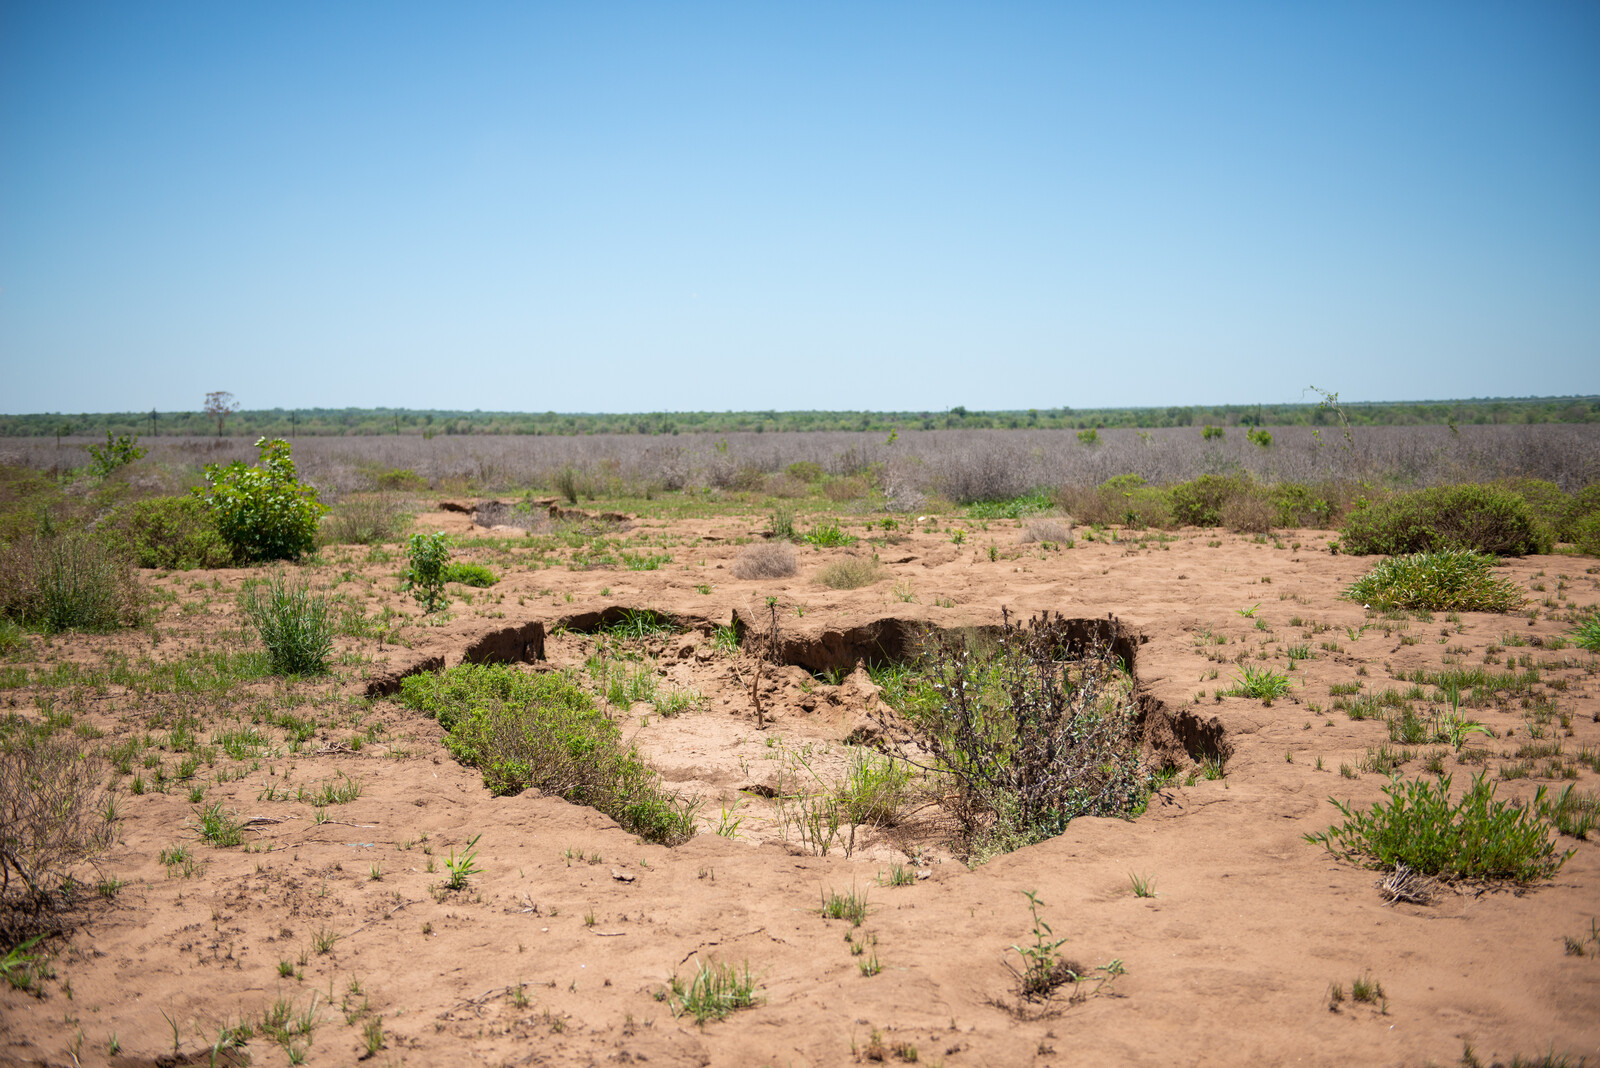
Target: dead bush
(55, 816)
(768, 560)
(1055, 531)
(370, 519)
(1249, 513)
(845, 489)
(851, 573)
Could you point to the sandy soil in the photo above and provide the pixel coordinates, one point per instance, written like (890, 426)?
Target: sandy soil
(558, 950)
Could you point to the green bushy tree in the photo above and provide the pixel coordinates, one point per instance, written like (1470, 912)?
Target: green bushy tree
(263, 512)
(429, 569)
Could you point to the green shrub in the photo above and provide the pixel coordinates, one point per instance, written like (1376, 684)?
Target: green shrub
(1476, 837)
(1586, 535)
(168, 533)
(1299, 505)
(828, 536)
(1544, 499)
(66, 582)
(426, 574)
(525, 730)
(1213, 433)
(1089, 437)
(263, 512)
(1580, 522)
(1451, 581)
(292, 622)
(470, 574)
(117, 452)
(1485, 519)
(1260, 436)
(1199, 503)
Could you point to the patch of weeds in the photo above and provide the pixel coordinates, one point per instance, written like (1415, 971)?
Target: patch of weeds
(469, 574)
(292, 622)
(828, 536)
(1261, 683)
(851, 573)
(1475, 837)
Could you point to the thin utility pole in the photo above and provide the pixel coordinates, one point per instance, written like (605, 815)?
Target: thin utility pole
(152, 422)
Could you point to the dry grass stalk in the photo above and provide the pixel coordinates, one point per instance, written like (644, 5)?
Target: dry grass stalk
(1407, 884)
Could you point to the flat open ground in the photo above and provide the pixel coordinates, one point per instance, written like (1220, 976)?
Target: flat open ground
(556, 952)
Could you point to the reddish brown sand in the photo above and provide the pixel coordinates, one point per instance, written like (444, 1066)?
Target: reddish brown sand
(1230, 963)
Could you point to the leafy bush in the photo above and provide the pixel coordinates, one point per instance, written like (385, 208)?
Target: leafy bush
(1485, 519)
(1089, 437)
(1014, 507)
(805, 471)
(118, 452)
(425, 576)
(1260, 436)
(1477, 837)
(292, 622)
(1544, 499)
(54, 816)
(1580, 522)
(469, 574)
(525, 730)
(1033, 730)
(1199, 503)
(168, 533)
(1452, 581)
(369, 519)
(1213, 433)
(1298, 505)
(263, 512)
(851, 573)
(66, 582)
(768, 560)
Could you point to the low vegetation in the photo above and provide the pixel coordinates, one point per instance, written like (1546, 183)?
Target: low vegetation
(263, 512)
(765, 560)
(1445, 581)
(294, 624)
(1479, 519)
(713, 992)
(66, 582)
(851, 573)
(1474, 836)
(544, 731)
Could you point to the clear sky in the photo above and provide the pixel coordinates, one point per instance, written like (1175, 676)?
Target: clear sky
(665, 206)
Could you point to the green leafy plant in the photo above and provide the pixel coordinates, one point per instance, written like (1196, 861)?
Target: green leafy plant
(1447, 581)
(1586, 634)
(463, 867)
(1213, 433)
(828, 536)
(1475, 837)
(263, 512)
(1260, 436)
(1090, 436)
(65, 582)
(1143, 885)
(1039, 974)
(428, 570)
(851, 906)
(118, 452)
(170, 533)
(293, 623)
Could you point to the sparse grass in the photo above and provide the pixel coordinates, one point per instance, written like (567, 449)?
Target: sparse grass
(220, 828)
(1447, 581)
(1143, 885)
(712, 992)
(470, 574)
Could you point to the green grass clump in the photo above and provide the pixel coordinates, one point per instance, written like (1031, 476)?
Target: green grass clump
(470, 574)
(712, 993)
(294, 624)
(1261, 683)
(544, 731)
(1586, 635)
(639, 623)
(1484, 519)
(1014, 508)
(828, 536)
(1475, 837)
(1448, 581)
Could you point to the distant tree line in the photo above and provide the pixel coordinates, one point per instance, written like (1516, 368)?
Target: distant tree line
(369, 422)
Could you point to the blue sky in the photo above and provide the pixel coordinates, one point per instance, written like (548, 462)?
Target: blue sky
(641, 207)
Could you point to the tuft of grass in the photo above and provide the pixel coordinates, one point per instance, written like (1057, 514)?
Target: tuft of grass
(1262, 683)
(1475, 837)
(218, 827)
(1448, 581)
(828, 536)
(850, 906)
(851, 573)
(1586, 635)
(712, 992)
(293, 623)
(1143, 885)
